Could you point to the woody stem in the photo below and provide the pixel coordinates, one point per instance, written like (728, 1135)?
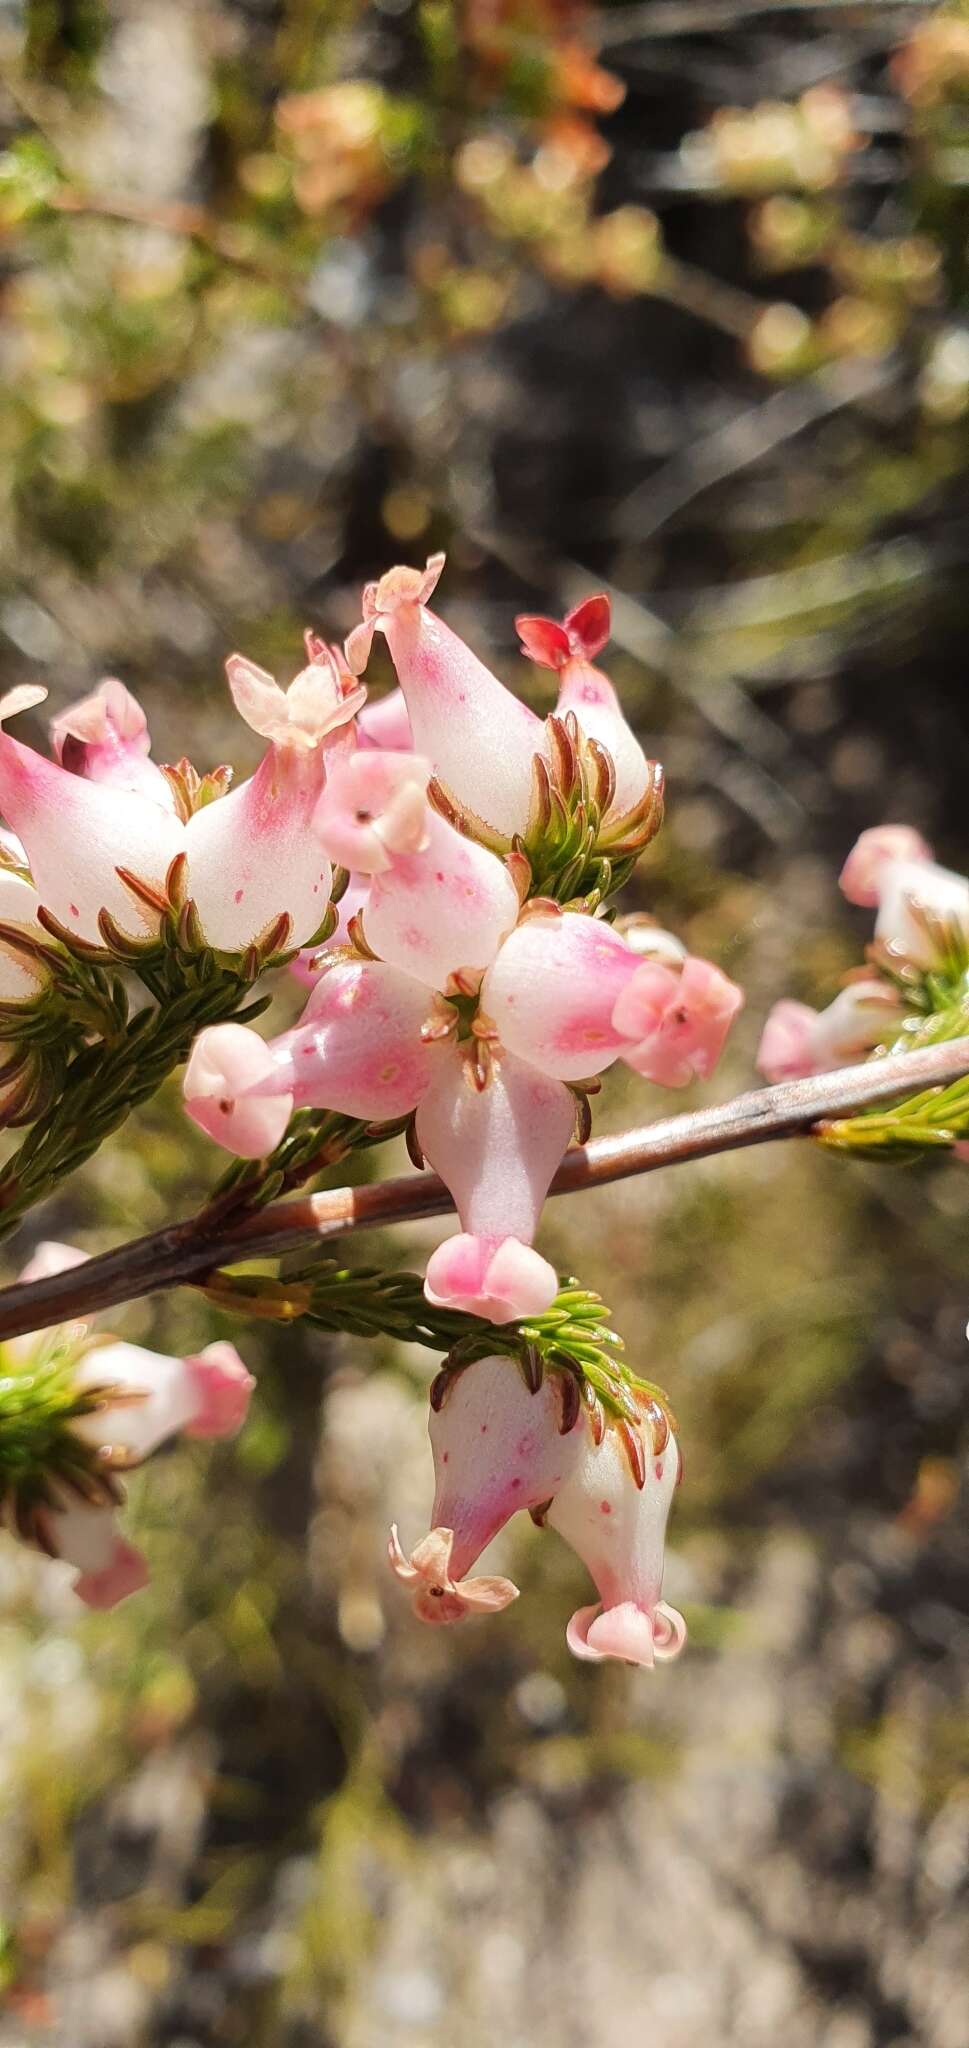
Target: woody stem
(187, 1253)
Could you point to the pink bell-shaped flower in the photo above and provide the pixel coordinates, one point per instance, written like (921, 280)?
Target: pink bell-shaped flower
(618, 1528)
(105, 737)
(496, 1148)
(251, 854)
(497, 1447)
(479, 739)
(144, 1398)
(82, 836)
(571, 648)
(552, 990)
(798, 1041)
(571, 995)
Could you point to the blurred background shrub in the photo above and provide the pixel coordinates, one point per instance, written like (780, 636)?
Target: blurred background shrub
(664, 298)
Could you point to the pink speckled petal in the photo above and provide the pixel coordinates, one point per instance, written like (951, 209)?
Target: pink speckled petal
(552, 990)
(236, 1091)
(446, 907)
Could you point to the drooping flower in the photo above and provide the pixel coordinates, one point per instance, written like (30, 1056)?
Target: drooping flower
(571, 648)
(615, 1517)
(117, 1403)
(798, 1041)
(498, 1447)
(105, 842)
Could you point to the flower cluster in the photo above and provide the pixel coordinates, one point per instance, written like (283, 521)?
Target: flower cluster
(501, 1446)
(919, 959)
(80, 1408)
(477, 990)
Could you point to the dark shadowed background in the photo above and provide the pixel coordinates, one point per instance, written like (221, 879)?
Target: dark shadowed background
(291, 290)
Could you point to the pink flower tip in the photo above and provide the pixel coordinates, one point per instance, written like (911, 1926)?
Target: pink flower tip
(677, 1022)
(878, 848)
(110, 713)
(628, 1633)
(126, 1573)
(397, 588)
(502, 1280)
(320, 700)
(582, 634)
(373, 805)
(222, 1388)
(785, 1052)
(437, 1597)
(232, 1090)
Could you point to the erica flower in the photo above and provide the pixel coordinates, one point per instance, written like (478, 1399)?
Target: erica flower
(798, 1041)
(480, 741)
(497, 1447)
(614, 1514)
(469, 1017)
(921, 907)
(500, 1446)
(102, 1407)
(571, 648)
(105, 737)
(102, 840)
(478, 738)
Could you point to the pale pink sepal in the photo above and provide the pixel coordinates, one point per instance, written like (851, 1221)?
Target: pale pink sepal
(438, 1597)
(496, 1149)
(863, 872)
(373, 806)
(234, 1090)
(503, 1282)
(21, 973)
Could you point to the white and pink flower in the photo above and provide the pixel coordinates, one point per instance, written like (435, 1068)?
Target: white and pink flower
(101, 829)
(499, 1448)
(469, 1017)
(797, 1041)
(143, 1399)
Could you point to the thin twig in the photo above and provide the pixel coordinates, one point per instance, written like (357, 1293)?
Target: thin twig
(187, 1253)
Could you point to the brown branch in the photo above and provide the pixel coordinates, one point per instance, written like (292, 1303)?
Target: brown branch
(186, 1253)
